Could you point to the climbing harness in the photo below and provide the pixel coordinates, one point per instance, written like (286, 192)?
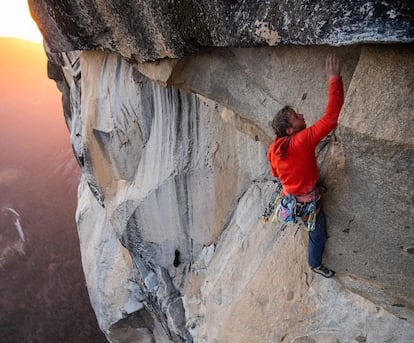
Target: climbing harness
(288, 209)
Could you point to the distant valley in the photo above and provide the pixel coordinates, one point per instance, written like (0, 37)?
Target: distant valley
(44, 297)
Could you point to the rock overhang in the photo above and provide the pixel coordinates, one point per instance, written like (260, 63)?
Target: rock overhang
(147, 30)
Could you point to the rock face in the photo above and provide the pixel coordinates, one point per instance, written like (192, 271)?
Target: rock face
(175, 175)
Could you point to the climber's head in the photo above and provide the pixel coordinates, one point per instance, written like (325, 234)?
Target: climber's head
(287, 122)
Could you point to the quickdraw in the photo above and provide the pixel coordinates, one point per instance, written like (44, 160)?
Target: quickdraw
(311, 212)
(270, 208)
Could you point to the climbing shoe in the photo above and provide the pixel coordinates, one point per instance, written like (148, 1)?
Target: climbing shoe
(322, 270)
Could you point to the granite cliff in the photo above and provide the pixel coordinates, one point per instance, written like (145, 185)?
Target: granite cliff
(168, 105)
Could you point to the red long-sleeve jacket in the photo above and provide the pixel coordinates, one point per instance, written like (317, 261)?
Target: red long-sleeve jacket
(298, 170)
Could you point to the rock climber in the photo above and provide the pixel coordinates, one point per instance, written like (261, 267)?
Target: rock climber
(292, 159)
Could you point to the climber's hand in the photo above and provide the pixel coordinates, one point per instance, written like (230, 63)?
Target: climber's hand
(332, 66)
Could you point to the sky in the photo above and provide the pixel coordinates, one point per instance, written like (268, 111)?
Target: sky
(16, 21)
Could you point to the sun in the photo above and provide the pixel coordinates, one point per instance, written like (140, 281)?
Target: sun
(16, 21)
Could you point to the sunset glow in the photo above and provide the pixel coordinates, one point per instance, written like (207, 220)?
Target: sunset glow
(16, 21)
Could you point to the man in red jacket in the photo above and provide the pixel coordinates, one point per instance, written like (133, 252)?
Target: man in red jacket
(292, 159)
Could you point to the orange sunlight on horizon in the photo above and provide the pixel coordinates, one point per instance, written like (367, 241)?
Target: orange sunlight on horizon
(16, 21)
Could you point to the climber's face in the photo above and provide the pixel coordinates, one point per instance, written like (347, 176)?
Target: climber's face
(297, 123)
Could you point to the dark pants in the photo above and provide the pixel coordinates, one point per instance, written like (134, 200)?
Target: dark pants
(317, 239)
